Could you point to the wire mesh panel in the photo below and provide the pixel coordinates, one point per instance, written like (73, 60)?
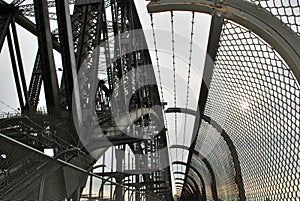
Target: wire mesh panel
(28, 174)
(212, 147)
(288, 11)
(22, 173)
(254, 96)
(201, 167)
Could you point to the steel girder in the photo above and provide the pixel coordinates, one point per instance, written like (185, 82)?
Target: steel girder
(44, 67)
(47, 59)
(8, 20)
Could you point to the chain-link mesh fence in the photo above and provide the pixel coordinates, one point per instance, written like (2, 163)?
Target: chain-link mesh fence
(254, 96)
(288, 11)
(214, 149)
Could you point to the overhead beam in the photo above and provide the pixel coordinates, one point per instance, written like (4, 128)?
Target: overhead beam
(192, 180)
(181, 110)
(188, 185)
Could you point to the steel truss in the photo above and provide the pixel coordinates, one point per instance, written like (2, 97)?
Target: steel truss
(82, 39)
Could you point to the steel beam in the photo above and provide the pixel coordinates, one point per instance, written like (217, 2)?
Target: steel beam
(67, 50)
(106, 142)
(35, 83)
(47, 60)
(120, 161)
(181, 110)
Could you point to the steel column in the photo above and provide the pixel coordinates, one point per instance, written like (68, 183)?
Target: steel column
(120, 156)
(47, 60)
(67, 50)
(212, 48)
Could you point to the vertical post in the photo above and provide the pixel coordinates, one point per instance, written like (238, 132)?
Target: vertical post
(91, 187)
(47, 59)
(212, 49)
(69, 80)
(137, 194)
(120, 155)
(67, 51)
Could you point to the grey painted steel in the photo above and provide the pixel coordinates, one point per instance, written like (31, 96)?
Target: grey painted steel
(23, 21)
(35, 83)
(16, 61)
(260, 21)
(178, 146)
(181, 110)
(47, 59)
(212, 48)
(67, 50)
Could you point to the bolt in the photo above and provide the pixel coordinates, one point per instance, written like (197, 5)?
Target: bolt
(219, 14)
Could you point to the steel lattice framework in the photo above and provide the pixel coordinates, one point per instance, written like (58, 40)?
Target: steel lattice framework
(246, 130)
